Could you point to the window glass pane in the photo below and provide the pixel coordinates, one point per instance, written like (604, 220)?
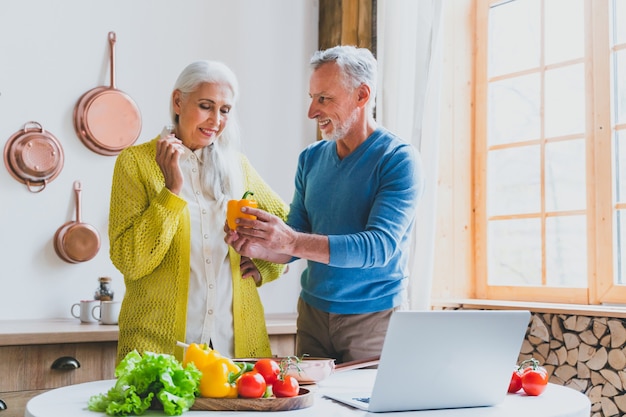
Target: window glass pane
(620, 247)
(564, 31)
(541, 55)
(620, 166)
(514, 252)
(618, 102)
(565, 175)
(514, 110)
(566, 251)
(619, 79)
(565, 101)
(619, 17)
(514, 37)
(513, 181)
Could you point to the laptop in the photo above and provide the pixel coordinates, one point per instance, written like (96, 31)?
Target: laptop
(444, 359)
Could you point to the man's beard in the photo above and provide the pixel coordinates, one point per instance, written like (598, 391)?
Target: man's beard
(341, 130)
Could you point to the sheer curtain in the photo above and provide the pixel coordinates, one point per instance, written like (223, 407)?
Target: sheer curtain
(409, 55)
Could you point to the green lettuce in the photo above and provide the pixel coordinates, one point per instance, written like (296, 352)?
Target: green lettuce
(142, 378)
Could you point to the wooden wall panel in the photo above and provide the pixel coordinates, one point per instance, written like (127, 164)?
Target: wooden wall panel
(346, 22)
(454, 257)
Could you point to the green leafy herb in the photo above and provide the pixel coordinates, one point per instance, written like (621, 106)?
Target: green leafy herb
(141, 379)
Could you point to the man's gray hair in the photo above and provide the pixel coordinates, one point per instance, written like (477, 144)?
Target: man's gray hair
(357, 64)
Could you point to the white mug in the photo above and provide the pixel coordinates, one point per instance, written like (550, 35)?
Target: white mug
(84, 313)
(108, 312)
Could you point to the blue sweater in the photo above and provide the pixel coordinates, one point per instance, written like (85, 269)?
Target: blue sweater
(366, 204)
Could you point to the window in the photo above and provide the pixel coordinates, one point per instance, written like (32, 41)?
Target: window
(550, 150)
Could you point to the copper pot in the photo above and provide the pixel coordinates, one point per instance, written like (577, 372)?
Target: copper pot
(106, 119)
(33, 156)
(310, 370)
(76, 241)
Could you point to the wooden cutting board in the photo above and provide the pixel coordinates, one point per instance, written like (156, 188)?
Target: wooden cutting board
(303, 400)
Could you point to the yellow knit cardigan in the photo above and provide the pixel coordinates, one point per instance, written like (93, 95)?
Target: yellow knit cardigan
(150, 245)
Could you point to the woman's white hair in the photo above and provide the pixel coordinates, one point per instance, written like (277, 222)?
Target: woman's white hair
(222, 175)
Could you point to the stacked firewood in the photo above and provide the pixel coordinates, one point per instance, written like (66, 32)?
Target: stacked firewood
(585, 353)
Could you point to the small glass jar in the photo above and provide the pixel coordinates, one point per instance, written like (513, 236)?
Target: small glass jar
(104, 291)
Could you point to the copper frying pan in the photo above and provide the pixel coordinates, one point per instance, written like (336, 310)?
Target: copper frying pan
(106, 119)
(76, 241)
(33, 156)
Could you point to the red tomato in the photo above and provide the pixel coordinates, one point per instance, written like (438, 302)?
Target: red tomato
(534, 379)
(516, 382)
(268, 368)
(288, 386)
(251, 385)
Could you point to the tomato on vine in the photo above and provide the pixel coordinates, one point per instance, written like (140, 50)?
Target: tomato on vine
(251, 385)
(516, 382)
(286, 386)
(269, 368)
(534, 377)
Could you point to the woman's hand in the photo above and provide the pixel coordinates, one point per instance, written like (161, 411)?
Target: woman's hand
(168, 151)
(249, 269)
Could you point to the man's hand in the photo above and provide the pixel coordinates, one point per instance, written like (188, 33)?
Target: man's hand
(270, 238)
(267, 230)
(250, 248)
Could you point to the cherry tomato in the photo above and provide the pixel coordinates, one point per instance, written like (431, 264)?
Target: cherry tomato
(287, 386)
(534, 377)
(516, 382)
(251, 385)
(269, 368)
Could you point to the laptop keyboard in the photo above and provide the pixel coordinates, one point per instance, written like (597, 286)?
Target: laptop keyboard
(365, 400)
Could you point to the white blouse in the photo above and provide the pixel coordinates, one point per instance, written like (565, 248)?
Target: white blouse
(210, 300)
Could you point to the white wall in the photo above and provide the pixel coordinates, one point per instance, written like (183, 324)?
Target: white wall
(51, 52)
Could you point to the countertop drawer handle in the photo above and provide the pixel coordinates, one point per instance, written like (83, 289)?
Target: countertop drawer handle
(3, 405)
(65, 363)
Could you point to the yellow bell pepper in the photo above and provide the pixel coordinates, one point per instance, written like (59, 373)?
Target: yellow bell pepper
(233, 209)
(218, 372)
(198, 353)
(216, 378)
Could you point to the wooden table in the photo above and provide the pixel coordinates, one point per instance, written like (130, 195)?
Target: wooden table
(556, 401)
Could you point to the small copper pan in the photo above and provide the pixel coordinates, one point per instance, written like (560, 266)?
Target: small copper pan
(33, 156)
(310, 370)
(106, 119)
(76, 241)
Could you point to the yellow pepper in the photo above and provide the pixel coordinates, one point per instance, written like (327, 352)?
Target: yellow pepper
(234, 209)
(198, 353)
(216, 378)
(219, 373)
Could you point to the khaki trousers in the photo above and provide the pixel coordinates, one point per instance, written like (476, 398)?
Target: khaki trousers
(345, 337)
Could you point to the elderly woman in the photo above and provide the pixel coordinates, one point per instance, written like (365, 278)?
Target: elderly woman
(168, 208)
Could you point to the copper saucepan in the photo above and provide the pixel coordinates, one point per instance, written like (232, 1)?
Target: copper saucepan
(311, 370)
(76, 241)
(33, 156)
(106, 119)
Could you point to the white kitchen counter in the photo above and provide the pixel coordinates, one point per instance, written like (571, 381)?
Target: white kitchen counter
(556, 401)
(71, 330)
